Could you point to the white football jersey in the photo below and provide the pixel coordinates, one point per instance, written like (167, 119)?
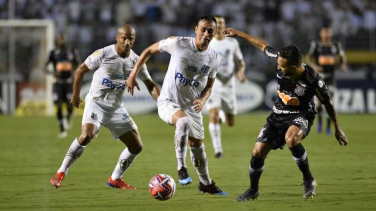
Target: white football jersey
(111, 71)
(229, 50)
(188, 71)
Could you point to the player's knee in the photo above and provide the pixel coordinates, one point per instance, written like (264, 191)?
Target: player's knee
(85, 138)
(182, 126)
(292, 140)
(257, 153)
(136, 149)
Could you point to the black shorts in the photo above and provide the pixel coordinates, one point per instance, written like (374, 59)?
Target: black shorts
(277, 125)
(62, 92)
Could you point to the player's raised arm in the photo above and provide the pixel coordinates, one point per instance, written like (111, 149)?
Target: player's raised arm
(258, 43)
(78, 77)
(340, 135)
(144, 57)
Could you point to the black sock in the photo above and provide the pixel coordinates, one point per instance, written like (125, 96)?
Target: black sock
(255, 170)
(300, 157)
(328, 121)
(319, 115)
(59, 115)
(70, 111)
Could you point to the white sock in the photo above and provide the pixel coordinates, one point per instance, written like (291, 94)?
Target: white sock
(181, 140)
(215, 133)
(200, 162)
(74, 152)
(181, 151)
(125, 160)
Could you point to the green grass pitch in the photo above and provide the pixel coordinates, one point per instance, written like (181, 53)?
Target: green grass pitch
(31, 154)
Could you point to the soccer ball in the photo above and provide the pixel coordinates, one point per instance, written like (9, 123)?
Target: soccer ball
(162, 187)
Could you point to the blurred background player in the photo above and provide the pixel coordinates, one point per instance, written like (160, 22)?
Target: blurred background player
(104, 105)
(223, 96)
(292, 116)
(64, 62)
(186, 88)
(324, 52)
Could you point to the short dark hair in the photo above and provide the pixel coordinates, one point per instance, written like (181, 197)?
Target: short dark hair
(292, 54)
(208, 18)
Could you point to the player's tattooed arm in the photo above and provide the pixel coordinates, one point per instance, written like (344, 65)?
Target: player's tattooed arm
(257, 42)
(144, 57)
(340, 135)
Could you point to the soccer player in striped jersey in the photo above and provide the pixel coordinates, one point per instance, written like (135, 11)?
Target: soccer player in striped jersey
(292, 116)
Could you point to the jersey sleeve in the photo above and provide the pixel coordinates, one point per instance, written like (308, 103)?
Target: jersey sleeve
(321, 90)
(94, 60)
(271, 52)
(237, 53)
(168, 45)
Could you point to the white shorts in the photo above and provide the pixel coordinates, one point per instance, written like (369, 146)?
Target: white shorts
(117, 120)
(167, 108)
(223, 97)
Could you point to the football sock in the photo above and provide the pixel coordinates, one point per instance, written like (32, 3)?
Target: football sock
(215, 133)
(300, 156)
(256, 166)
(125, 160)
(328, 121)
(74, 152)
(181, 140)
(200, 162)
(59, 115)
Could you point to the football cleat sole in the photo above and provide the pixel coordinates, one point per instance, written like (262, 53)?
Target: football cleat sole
(185, 181)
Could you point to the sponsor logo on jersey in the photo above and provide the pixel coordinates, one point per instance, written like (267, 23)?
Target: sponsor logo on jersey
(192, 68)
(205, 69)
(96, 53)
(299, 90)
(119, 76)
(186, 81)
(113, 84)
(288, 99)
(94, 116)
(321, 83)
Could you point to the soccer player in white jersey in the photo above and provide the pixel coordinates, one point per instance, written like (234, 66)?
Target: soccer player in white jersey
(223, 96)
(186, 88)
(104, 105)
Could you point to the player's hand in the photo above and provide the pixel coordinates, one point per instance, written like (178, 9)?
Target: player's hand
(230, 32)
(131, 83)
(198, 104)
(341, 137)
(240, 75)
(75, 101)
